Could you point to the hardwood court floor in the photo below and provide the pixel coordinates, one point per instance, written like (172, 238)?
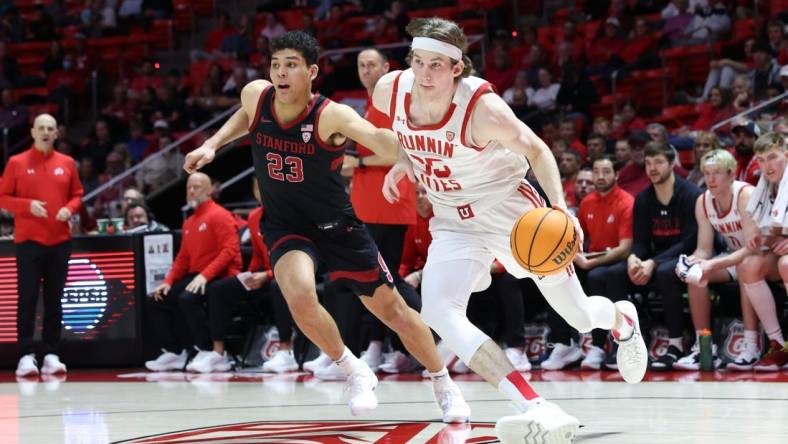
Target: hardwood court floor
(89, 407)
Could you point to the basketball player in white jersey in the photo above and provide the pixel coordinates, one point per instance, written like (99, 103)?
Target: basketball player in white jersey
(722, 209)
(469, 150)
(767, 207)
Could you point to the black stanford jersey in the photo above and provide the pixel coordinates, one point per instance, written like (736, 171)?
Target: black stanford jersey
(299, 174)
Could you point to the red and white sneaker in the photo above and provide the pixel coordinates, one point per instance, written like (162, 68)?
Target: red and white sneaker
(774, 359)
(746, 359)
(632, 355)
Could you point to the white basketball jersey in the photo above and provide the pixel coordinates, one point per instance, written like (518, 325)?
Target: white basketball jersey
(728, 224)
(462, 180)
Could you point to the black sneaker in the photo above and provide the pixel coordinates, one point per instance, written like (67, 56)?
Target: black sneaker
(610, 362)
(666, 361)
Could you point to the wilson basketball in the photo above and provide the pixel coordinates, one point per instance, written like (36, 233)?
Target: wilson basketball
(544, 241)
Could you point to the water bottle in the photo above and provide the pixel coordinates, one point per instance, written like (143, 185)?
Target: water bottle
(706, 358)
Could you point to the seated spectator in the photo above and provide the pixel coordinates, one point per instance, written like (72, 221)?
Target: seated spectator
(627, 121)
(743, 98)
(596, 146)
(121, 108)
(584, 184)
(607, 44)
(639, 51)
(139, 219)
(576, 93)
(567, 131)
(137, 144)
(720, 210)
(131, 196)
(676, 27)
(775, 33)
(744, 135)
(272, 28)
(169, 109)
(663, 228)
(213, 41)
(767, 209)
(704, 142)
(623, 153)
(241, 42)
(98, 146)
(672, 8)
(516, 96)
(544, 96)
(210, 251)
(576, 42)
(67, 83)
(718, 108)
(9, 68)
(146, 108)
(569, 166)
(162, 169)
(109, 203)
(765, 71)
(54, 60)
(236, 82)
(98, 19)
(725, 70)
(709, 24)
(501, 73)
(87, 175)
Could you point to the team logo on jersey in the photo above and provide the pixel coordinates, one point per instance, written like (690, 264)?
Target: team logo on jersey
(611, 219)
(306, 132)
(319, 432)
(31, 171)
(203, 226)
(449, 135)
(58, 171)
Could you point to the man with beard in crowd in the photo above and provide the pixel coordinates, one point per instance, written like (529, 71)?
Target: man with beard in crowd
(747, 167)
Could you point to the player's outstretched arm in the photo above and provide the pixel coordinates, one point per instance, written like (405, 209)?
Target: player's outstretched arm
(492, 120)
(342, 119)
(236, 126)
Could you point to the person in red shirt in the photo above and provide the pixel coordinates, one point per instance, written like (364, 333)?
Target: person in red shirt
(41, 188)
(386, 222)
(747, 167)
(257, 283)
(210, 250)
(569, 167)
(606, 217)
(417, 241)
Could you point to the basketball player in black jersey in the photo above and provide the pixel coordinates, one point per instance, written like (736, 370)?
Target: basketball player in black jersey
(297, 140)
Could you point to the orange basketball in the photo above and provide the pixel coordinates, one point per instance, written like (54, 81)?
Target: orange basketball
(544, 241)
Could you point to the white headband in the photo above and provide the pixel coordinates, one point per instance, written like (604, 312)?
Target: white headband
(434, 45)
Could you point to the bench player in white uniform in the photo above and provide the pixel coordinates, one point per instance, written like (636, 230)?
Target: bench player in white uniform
(722, 209)
(469, 150)
(767, 207)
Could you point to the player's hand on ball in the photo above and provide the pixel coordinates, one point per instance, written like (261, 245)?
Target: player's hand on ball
(400, 169)
(199, 158)
(576, 222)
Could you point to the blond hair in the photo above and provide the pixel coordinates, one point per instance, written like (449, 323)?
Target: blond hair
(444, 30)
(769, 141)
(720, 158)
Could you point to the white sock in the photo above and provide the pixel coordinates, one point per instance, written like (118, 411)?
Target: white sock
(677, 342)
(763, 302)
(516, 388)
(375, 347)
(751, 337)
(349, 363)
(440, 378)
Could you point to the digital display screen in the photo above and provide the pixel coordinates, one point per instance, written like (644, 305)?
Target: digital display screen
(98, 298)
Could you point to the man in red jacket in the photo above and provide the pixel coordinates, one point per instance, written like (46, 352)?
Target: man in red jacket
(42, 188)
(210, 250)
(386, 222)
